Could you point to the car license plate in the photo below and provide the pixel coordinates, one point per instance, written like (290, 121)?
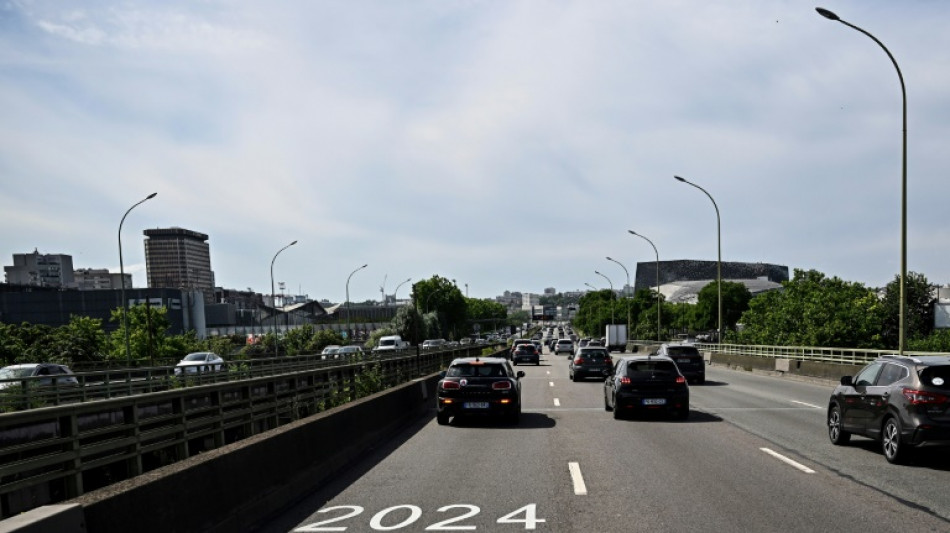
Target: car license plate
(683, 361)
(475, 405)
(654, 401)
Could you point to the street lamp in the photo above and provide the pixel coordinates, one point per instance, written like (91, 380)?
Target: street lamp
(627, 272)
(125, 303)
(273, 299)
(397, 289)
(611, 294)
(429, 297)
(718, 257)
(903, 306)
(348, 300)
(658, 306)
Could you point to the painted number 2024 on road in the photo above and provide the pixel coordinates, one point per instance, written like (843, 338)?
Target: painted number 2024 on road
(394, 518)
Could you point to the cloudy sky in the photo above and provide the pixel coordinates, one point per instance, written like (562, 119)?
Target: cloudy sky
(503, 144)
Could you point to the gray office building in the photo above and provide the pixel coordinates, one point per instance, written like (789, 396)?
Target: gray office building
(40, 270)
(178, 258)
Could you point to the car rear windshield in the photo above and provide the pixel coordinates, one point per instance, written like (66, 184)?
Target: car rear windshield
(936, 376)
(195, 357)
(565, 341)
(594, 355)
(468, 370)
(646, 369)
(682, 350)
(14, 373)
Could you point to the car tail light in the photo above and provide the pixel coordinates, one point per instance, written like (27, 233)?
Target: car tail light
(501, 385)
(447, 385)
(917, 397)
(680, 380)
(625, 380)
(578, 361)
(608, 361)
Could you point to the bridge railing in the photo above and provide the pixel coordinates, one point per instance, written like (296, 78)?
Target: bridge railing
(844, 356)
(44, 391)
(56, 453)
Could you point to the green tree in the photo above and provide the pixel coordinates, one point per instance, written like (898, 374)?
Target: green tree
(814, 310)
(919, 316)
(82, 340)
(148, 327)
(440, 296)
(735, 301)
(408, 324)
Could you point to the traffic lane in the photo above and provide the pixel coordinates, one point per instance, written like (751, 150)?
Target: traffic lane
(707, 475)
(475, 465)
(923, 481)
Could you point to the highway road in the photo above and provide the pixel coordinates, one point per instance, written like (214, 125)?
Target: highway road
(753, 456)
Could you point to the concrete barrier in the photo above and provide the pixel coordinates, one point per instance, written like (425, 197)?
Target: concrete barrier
(61, 518)
(233, 487)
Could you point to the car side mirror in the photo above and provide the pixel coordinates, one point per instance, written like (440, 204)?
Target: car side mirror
(847, 381)
(520, 374)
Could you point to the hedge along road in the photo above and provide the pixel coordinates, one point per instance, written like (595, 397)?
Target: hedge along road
(752, 456)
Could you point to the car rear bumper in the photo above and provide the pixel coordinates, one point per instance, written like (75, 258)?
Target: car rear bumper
(459, 406)
(635, 403)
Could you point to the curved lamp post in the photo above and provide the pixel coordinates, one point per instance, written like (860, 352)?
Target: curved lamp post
(627, 272)
(658, 306)
(125, 303)
(611, 293)
(718, 257)
(903, 305)
(397, 289)
(348, 300)
(273, 299)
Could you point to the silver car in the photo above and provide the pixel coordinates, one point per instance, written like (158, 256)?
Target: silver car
(199, 363)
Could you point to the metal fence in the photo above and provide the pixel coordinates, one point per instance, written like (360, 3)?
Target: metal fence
(56, 453)
(847, 356)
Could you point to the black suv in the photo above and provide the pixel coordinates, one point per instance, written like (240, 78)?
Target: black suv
(646, 384)
(689, 360)
(902, 401)
(479, 386)
(589, 361)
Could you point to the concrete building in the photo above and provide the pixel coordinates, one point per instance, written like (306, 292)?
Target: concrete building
(178, 258)
(90, 279)
(40, 270)
(529, 300)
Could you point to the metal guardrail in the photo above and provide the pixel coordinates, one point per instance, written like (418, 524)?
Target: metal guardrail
(33, 392)
(56, 453)
(844, 356)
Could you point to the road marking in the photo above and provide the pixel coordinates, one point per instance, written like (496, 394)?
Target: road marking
(551, 383)
(580, 488)
(548, 372)
(806, 404)
(788, 461)
(557, 403)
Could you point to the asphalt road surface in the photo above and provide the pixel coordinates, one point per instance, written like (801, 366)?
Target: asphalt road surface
(753, 456)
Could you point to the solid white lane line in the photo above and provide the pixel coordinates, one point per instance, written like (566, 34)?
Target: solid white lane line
(557, 403)
(580, 488)
(551, 383)
(807, 404)
(548, 372)
(788, 461)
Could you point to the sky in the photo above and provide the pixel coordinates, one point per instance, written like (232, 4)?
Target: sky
(507, 145)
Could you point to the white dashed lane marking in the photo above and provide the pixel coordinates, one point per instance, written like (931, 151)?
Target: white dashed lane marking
(580, 488)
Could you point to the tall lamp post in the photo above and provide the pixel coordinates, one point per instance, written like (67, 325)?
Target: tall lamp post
(397, 289)
(595, 290)
(903, 305)
(627, 272)
(718, 257)
(348, 300)
(125, 303)
(658, 306)
(273, 299)
(611, 293)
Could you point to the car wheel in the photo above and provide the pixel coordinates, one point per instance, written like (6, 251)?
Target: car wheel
(837, 435)
(617, 415)
(701, 381)
(894, 450)
(515, 417)
(442, 419)
(574, 377)
(682, 414)
(607, 406)
(514, 363)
